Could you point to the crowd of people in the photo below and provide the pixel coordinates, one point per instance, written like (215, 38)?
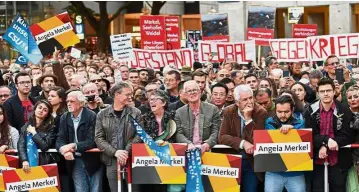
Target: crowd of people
(75, 105)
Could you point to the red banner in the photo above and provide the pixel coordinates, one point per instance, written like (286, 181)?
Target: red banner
(260, 35)
(153, 33)
(218, 38)
(173, 32)
(304, 30)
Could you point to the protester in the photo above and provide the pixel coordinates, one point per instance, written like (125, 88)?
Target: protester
(330, 122)
(219, 95)
(38, 133)
(223, 73)
(76, 136)
(96, 79)
(252, 81)
(239, 121)
(182, 101)
(9, 136)
(134, 78)
(172, 79)
(200, 77)
(46, 81)
(149, 90)
(230, 85)
(143, 74)
(114, 133)
(5, 94)
(263, 96)
(299, 89)
(271, 63)
(284, 121)
(237, 77)
(269, 83)
(94, 101)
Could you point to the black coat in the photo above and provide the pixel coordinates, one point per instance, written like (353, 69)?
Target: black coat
(44, 140)
(85, 138)
(15, 111)
(151, 126)
(343, 134)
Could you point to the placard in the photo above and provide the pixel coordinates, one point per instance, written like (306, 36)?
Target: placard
(343, 46)
(240, 52)
(121, 46)
(304, 30)
(157, 171)
(192, 38)
(215, 27)
(153, 33)
(289, 50)
(285, 152)
(55, 31)
(261, 17)
(7, 162)
(40, 179)
(221, 172)
(156, 59)
(294, 14)
(260, 35)
(173, 32)
(75, 53)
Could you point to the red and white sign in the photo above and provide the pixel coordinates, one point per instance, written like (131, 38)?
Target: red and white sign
(289, 50)
(260, 35)
(160, 58)
(343, 45)
(153, 33)
(240, 52)
(304, 30)
(173, 32)
(218, 38)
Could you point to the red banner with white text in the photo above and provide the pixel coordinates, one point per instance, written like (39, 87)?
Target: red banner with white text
(153, 33)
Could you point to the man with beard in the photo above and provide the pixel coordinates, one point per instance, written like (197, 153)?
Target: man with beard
(19, 107)
(230, 85)
(46, 82)
(143, 74)
(264, 97)
(296, 70)
(284, 120)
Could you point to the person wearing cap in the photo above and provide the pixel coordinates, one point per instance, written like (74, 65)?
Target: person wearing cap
(103, 95)
(186, 73)
(46, 81)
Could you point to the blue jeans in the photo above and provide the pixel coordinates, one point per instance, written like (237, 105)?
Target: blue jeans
(249, 180)
(275, 182)
(83, 182)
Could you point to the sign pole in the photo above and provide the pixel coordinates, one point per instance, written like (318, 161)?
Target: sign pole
(259, 55)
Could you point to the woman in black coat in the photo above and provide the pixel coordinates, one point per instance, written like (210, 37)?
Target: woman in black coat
(38, 133)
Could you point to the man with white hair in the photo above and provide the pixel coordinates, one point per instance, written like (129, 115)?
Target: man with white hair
(276, 74)
(76, 136)
(77, 81)
(239, 121)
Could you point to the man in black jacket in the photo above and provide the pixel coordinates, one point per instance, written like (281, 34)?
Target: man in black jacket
(182, 99)
(76, 136)
(46, 82)
(19, 107)
(330, 121)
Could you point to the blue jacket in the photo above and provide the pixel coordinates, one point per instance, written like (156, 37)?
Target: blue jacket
(273, 123)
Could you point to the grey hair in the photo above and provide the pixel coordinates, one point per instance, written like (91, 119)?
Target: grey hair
(80, 97)
(240, 89)
(188, 82)
(87, 85)
(315, 74)
(162, 94)
(118, 87)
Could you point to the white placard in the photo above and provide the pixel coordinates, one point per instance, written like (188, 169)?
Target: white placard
(121, 46)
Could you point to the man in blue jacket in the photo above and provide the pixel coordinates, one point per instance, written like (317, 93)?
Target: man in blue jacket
(284, 120)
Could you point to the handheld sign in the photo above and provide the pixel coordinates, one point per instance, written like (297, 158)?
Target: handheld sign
(121, 46)
(285, 152)
(7, 162)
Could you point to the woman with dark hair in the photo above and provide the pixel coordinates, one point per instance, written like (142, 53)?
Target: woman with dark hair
(139, 96)
(9, 136)
(299, 89)
(38, 133)
(57, 98)
(299, 107)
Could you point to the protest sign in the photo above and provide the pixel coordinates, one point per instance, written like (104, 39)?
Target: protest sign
(240, 52)
(75, 53)
(261, 17)
(342, 45)
(260, 35)
(215, 27)
(294, 14)
(289, 50)
(157, 171)
(21, 60)
(194, 170)
(156, 59)
(304, 30)
(20, 37)
(153, 33)
(192, 38)
(221, 172)
(121, 46)
(7, 162)
(173, 32)
(55, 31)
(285, 152)
(40, 179)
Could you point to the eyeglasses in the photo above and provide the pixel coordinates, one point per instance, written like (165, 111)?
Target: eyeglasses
(155, 99)
(326, 91)
(4, 96)
(24, 83)
(332, 64)
(96, 80)
(192, 91)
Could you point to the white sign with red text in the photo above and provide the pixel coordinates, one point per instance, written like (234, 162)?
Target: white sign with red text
(240, 52)
(289, 50)
(156, 59)
(342, 45)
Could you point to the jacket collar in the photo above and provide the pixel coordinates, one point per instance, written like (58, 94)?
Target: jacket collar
(84, 117)
(111, 111)
(316, 106)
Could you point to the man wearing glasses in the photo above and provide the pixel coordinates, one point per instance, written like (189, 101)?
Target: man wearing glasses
(149, 90)
(103, 95)
(5, 94)
(198, 122)
(19, 107)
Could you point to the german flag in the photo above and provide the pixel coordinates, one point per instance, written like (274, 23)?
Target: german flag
(7, 162)
(41, 179)
(55, 31)
(147, 168)
(221, 172)
(285, 152)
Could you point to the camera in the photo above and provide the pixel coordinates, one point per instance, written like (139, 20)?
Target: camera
(90, 98)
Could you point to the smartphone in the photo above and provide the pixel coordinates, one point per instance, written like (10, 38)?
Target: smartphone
(339, 75)
(286, 73)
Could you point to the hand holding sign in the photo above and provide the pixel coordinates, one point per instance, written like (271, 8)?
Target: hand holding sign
(285, 128)
(26, 167)
(248, 147)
